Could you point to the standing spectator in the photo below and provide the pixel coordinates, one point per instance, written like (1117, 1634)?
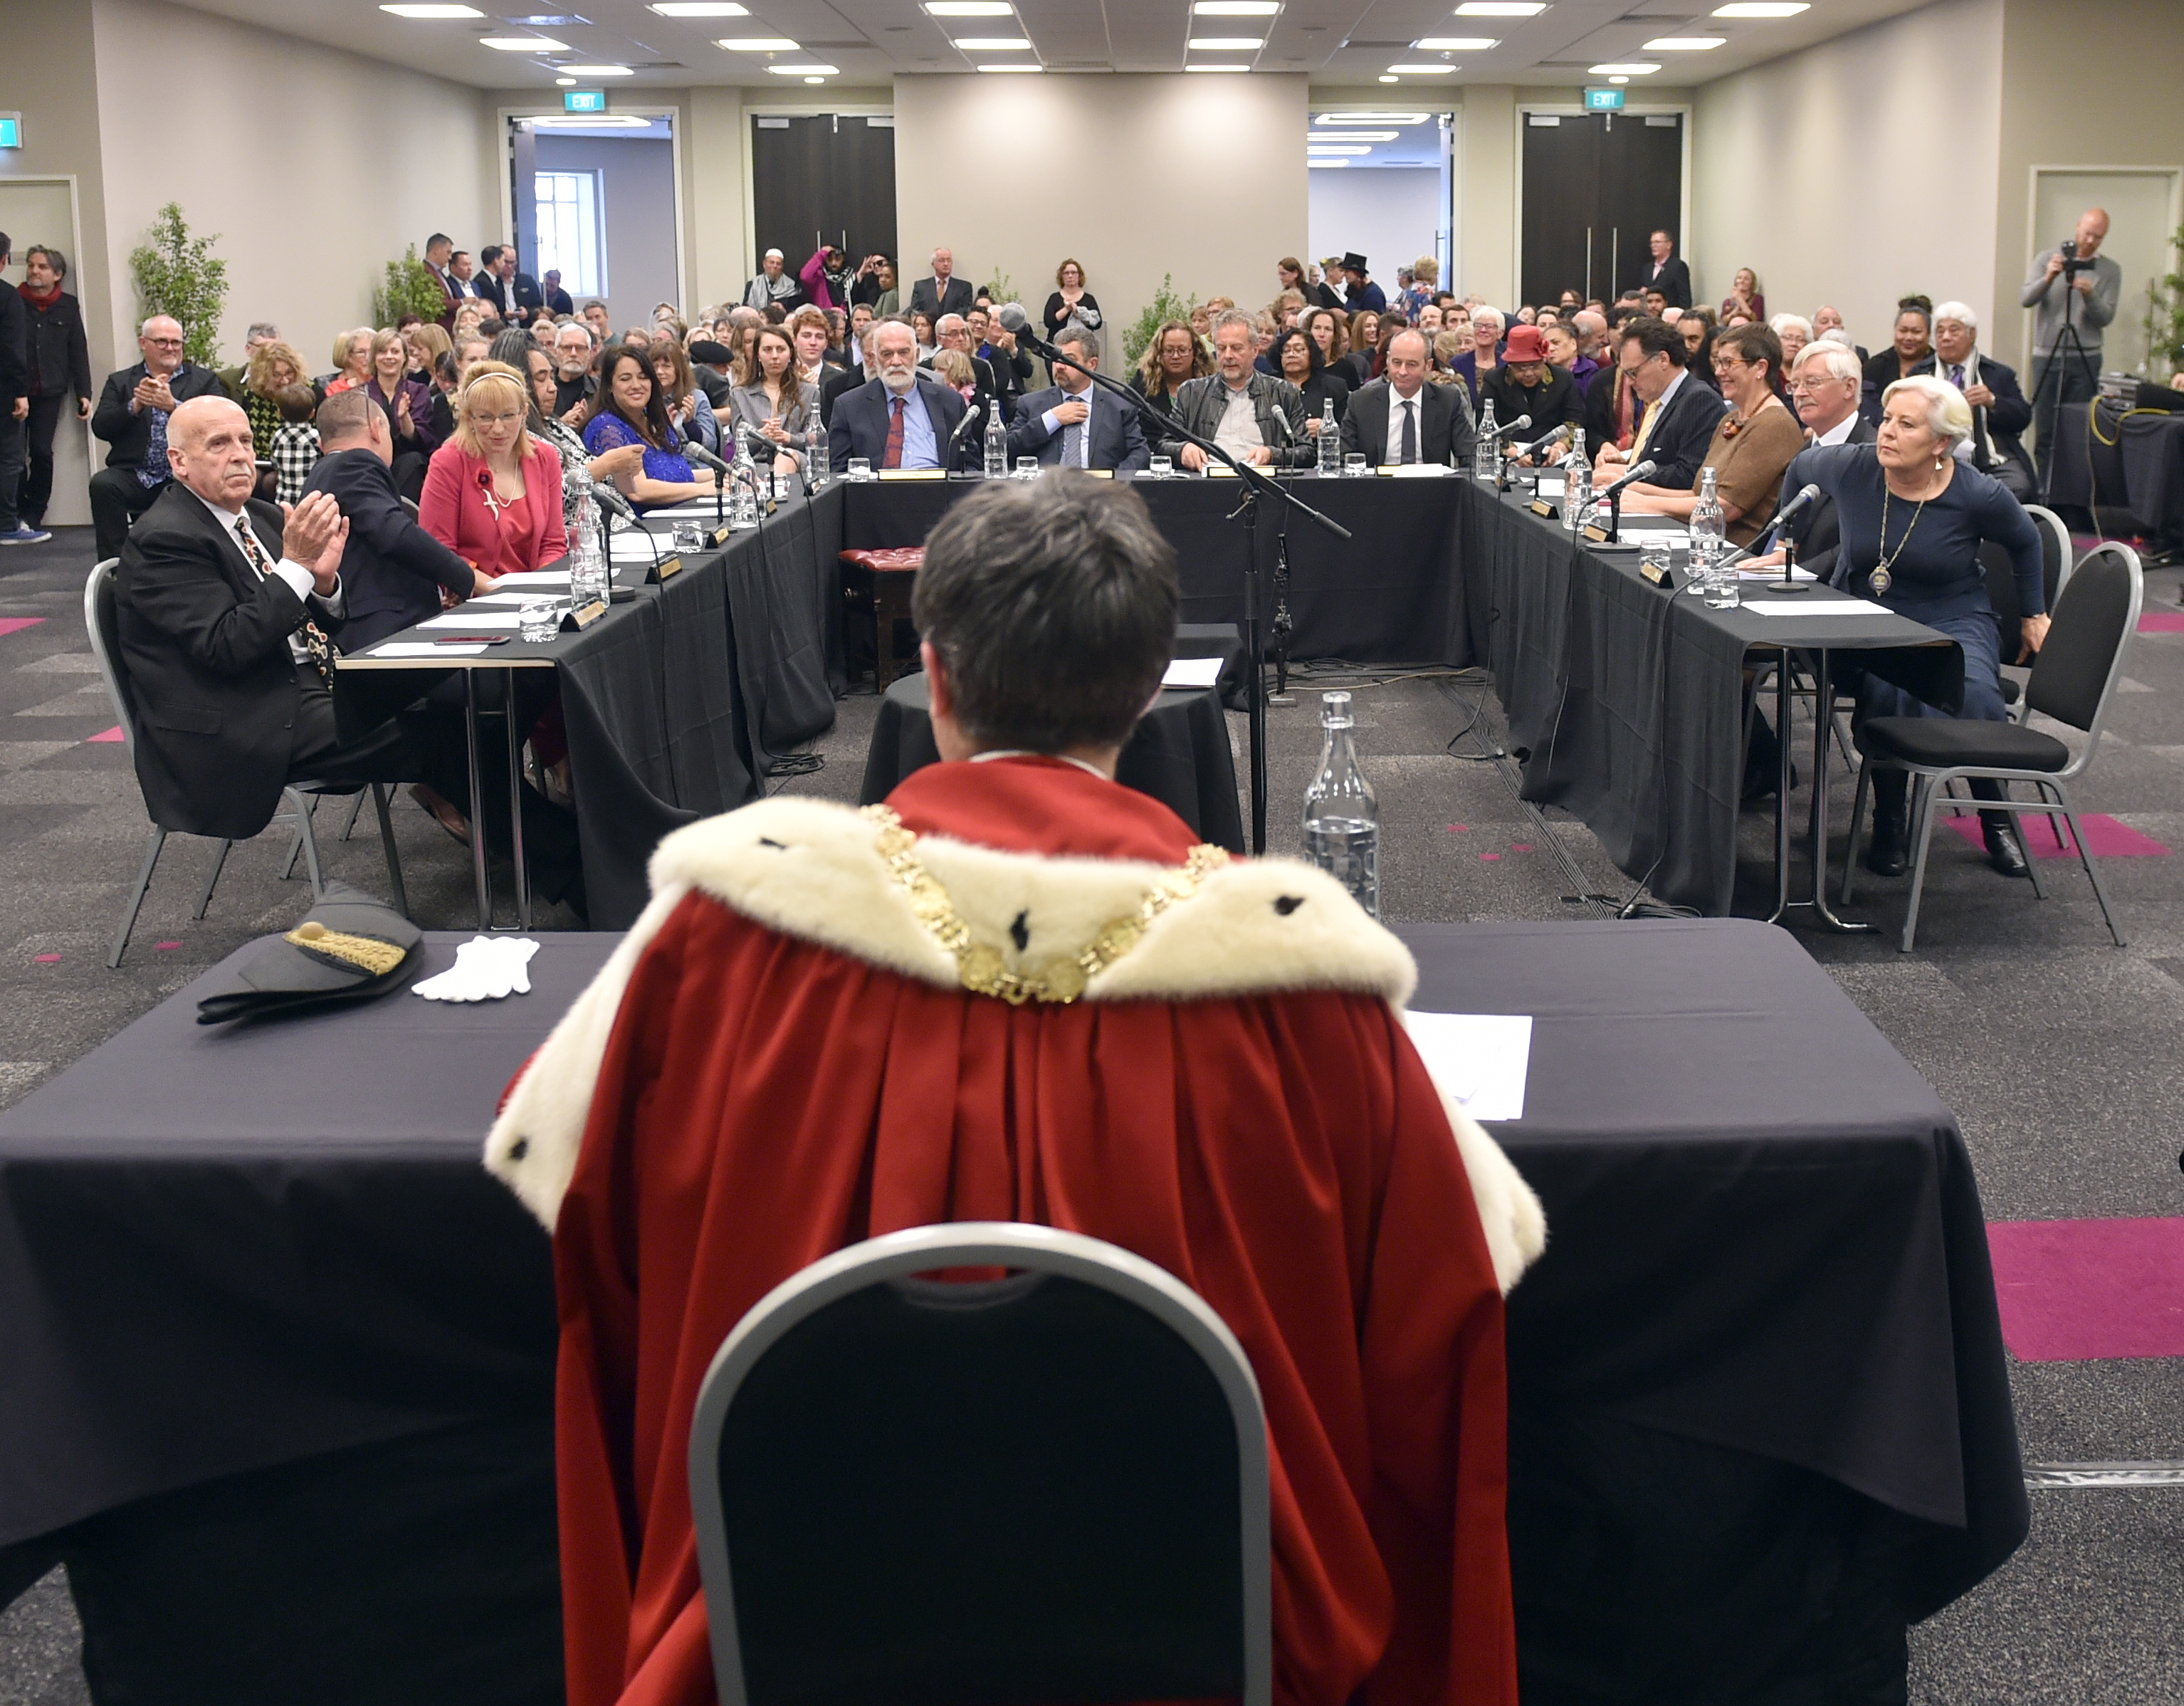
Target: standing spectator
(513, 294)
(869, 285)
(1359, 292)
(826, 279)
(1477, 364)
(462, 274)
(1071, 301)
(1425, 277)
(2086, 302)
(351, 361)
(773, 287)
(439, 255)
(943, 294)
(1171, 361)
(1745, 297)
(132, 417)
(1667, 273)
(293, 446)
(15, 409)
(889, 300)
(59, 367)
(552, 297)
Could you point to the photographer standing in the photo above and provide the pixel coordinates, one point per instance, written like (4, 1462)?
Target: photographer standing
(2075, 285)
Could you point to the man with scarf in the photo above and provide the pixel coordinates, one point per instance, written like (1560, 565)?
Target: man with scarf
(773, 286)
(2000, 411)
(15, 409)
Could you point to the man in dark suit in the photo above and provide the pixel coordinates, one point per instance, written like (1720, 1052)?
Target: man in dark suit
(954, 332)
(1401, 418)
(439, 254)
(903, 419)
(1825, 383)
(1072, 423)
(221, 605)
(1680, 413)
(513, 294)
(14, 409)
(944, 293)
(392, 571)
(840, 381)
(2000, 410)
(1667, 272)
(134, 413)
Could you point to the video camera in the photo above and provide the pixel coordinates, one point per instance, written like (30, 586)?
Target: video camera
(2070, 262)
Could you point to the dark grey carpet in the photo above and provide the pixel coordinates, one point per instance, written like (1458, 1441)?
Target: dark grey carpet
(2056, 1050)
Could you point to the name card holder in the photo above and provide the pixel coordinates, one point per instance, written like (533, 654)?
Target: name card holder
(664, 570)
(1547, 511)
(913, 473)
(577, 621)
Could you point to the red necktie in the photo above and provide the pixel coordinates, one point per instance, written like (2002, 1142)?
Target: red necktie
(892, 458)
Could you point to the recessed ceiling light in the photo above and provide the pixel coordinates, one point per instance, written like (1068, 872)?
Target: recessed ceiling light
(1216, 68)
(1501, 9)
(523, 44)
(804, 70)
(814, 80)
(758, 44)
(587, 121)
(1372, 119)
(993, 71)
(1422, 70)
(565, 82)
(1352, 136)
(993, 44)
(1226, 44)
(600, 70)
(1236, 9)
(433, 11)
(1339, 163)
(1618, 79)
(1763, 8)
(969, 8)
(1455, 44)
(1683, 44)
(699, 8)
(1641, 70)
(1384, 78)
(1314, 150)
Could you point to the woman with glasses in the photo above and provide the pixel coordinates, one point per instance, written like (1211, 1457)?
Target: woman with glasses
(492, 493)
(1297, 358)
(352, 362)
(1173, 359)
(1751, 446)
(630, 409)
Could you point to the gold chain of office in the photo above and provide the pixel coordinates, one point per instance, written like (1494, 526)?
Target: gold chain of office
(982, 968)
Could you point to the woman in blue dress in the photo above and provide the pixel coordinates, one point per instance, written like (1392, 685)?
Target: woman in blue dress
(1914, 516)
(627, 409)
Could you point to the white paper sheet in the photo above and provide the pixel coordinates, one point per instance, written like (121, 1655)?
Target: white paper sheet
(1192, 671)
(478, 622)
(1551, 487)
(641, 547)
(1480, 1060)
(532, 578)
(424, 648)
(1419, 471)
(507, 601)
(1824, 607)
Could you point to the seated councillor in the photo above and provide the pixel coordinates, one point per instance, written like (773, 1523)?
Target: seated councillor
(549, 428)
(1751, 445)
(1676, 428)
(1271, 1133)
(1072, 423)
(1171, 361)
(395, 573)
(135, 411)
(1297, 358)
(1526, 384)
(493, 495)
(1400, 418)
(778, 405)
(224, 609)
(903, 418)
(1234, 406)
(1825, 382)
(629, 408)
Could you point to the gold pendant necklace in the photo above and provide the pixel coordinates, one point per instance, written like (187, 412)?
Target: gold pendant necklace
(1881, 579)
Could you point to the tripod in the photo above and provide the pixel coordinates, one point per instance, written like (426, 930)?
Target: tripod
(2065, 340)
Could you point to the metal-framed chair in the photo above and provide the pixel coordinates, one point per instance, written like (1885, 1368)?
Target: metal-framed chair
(2055, 550)
(1048, 1486)
(2073, 680)
(299, 799)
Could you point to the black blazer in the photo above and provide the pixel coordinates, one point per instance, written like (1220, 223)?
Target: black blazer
(558, 301)
(1444, 425)
(392, 569)
(59, 360)
(1117, 440)
(128, 436)
(1995, 426)
(517, 297)
(1326, 385)
(204, 644)
(860, 425)
(926, 297)
(1681, 439)
(1554, 402)
(838, 381)
(14, 346)
(1674, 282)
(1818, 531)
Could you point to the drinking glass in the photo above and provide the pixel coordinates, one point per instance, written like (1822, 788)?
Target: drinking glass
(1353, 467)
(689, 536)
(538, 620)
(1026, 467)
(860, 468)
(1161, 468)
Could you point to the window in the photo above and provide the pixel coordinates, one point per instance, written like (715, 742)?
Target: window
(569, 239)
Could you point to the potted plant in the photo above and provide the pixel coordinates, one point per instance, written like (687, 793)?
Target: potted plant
(1165, 305)
(409, 287)
(177, 275)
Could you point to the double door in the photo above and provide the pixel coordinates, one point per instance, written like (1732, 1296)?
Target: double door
(829, 178)
(1596, 186)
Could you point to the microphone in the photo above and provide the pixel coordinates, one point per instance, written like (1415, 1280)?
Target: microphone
(1793, 508)
(605, 494)
(1553, 439)
(693, 451)
(1645, 470)
(1282, 420)
(970, 414)
(1503, 429)
(1017, 323)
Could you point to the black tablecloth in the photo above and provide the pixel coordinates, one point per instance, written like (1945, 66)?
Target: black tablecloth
(1766, 1251)
(2133, 462)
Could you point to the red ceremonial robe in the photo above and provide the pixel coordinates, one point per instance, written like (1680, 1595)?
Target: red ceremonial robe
(761, 1094)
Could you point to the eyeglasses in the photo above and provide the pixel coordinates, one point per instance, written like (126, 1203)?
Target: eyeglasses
(163, 343)
(494, 420)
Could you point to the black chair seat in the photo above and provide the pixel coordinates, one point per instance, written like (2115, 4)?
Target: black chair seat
(2011, 690)
(1945, 743)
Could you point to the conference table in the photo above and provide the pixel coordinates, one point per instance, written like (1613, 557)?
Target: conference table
(2125, 459)
(281, 1353)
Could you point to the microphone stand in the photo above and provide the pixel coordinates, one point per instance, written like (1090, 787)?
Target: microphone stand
(1257, 483)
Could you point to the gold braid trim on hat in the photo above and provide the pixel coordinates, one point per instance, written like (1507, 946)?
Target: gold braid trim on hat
(366, 953)
(983, 970)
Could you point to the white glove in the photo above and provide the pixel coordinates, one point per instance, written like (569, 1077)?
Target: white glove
(486, 968)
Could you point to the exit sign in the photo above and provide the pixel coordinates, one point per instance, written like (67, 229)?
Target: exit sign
(1603, 100)
(11, 129)
(595, 100)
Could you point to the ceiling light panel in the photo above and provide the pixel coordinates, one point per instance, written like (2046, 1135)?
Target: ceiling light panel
(1227, 44)
(1641, 70)
(805, 71)
(1372, 117)
(1409, 69)
(433, 11)
(1236, 9)
(597, 70)
(998, 70)
(993, 44)
(1352, 136)
(1315, 150)
(969, 8)
(1221, 69)
(1763, 8)
(758, 44)
(523, 44)
(1683, 44)
(1501, 9)
(1455, 44)
(699, 8)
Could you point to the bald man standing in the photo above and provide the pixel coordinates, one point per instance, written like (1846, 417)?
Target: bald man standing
(224, 605)
(2081, 290)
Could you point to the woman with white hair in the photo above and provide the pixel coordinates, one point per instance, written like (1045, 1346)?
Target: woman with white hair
(1483, 358)
(1914, 516)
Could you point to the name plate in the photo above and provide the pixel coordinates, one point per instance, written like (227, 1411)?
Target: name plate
(1660, 574)
(578, 620)
(1098, 473)
(1541, 507)
(913, 473)
(1220, 470)
(1597, 534)
(666, 569)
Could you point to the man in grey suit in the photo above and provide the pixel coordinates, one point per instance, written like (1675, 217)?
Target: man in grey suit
(1240, 407)
(1072, 423)
(1400, 418)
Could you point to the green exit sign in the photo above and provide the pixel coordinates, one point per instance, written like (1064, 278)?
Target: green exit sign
(583, 100)
(11, 129)
(1603, 100)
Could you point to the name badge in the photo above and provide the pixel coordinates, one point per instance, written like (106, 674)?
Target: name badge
(667, 569)
(1541, 507)
(1597, 534)
(582, 619)
(913, 473)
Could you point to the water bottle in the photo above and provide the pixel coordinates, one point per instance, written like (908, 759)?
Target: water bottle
(997, 444)
(1341, 817)
(1577, 484)
(588, 575)
(816, 465)
(1488, 450)
(1330, 441)
(742, 498)
(1709, 546)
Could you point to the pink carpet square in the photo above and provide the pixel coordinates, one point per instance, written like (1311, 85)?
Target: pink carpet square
(2162, 622)
(10, 624)
(2105, 838)
(2073, 1290)
(113, 735)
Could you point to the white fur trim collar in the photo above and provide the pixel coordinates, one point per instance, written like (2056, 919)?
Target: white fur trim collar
(812, 869)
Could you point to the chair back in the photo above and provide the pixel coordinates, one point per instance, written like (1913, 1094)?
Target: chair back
(2054, 551)
(101, 622)
(2001, 592)
(2076, 673)
(1050, 1486)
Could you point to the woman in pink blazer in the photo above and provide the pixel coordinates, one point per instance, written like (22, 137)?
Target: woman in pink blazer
(492, 493)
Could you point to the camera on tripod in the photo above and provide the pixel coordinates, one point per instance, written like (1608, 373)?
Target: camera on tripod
(2070, 262)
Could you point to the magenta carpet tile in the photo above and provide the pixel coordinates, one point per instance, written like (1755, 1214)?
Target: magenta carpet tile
(2075, 1291)
(2162, 622)
(11, 624)
(113, 736)
(2105, 838)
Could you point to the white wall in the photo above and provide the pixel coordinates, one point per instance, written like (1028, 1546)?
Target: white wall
(1203, 177)
(314, 167)
(1390, 214)
(1857, 172)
